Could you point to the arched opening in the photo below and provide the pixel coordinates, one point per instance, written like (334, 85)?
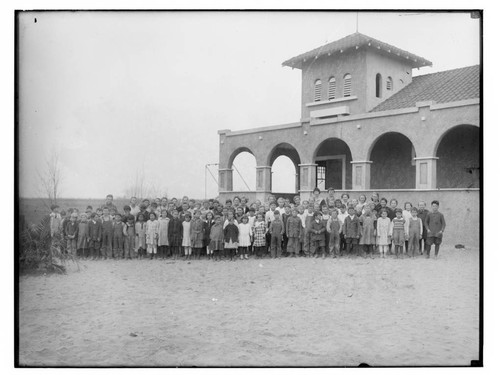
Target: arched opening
(458, 165)
(317, 90)
(283, 175)
(333, 158)
(392, 165)
(244, 172)
(284, 161)
(332, 87)
(378, 85)
(347, 85)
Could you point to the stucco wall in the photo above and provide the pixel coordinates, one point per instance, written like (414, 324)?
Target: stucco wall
(460, 207)
(386, 66)
(337, 66)
(424, 127)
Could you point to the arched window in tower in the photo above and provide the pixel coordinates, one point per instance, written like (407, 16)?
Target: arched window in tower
(332, 86)
(378, 85)
(317, 90)
(347, 85)
(389, 84)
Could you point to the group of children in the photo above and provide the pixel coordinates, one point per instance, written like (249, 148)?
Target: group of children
(316, 227)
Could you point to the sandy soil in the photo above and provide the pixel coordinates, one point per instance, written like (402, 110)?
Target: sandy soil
(293, 312)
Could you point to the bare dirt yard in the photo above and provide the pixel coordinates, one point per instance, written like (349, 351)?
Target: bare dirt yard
(287, 312)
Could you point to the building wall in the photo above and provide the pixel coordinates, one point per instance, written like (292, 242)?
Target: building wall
(363, 65)
(400, 72)
(323, 68)
(460, 207)
(424, 127)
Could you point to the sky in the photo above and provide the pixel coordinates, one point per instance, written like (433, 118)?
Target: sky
(123, 94)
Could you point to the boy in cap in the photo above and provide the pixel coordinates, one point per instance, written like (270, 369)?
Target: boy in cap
(435, 226)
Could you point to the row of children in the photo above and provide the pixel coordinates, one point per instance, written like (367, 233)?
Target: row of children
(309, 228)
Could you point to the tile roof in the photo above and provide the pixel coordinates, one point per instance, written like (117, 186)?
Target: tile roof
(356, 40)
(442, 87)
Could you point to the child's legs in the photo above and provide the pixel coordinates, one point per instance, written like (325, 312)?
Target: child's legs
(291, 246)
(131, 248)
(313, 246)
(381, 249)
(118, 250)
(413, 243)
(437, 244)
(366, 249)
(73, 246)
(274, 245)
(342, 243)
(327, 242)
(284, 244)
(107, 245)
(95, 246)
(335, 244)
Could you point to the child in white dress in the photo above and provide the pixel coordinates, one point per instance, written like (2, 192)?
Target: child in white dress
(244, 237)
(186, 236)
(383, 238)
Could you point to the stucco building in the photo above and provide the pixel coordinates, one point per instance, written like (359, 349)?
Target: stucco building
(368, 124)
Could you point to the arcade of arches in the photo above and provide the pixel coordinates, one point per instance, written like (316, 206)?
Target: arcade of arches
(393, 164)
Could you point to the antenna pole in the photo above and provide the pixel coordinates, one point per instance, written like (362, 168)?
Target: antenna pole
(357, 14)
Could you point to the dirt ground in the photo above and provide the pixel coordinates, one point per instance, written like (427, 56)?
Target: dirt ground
(286, 312)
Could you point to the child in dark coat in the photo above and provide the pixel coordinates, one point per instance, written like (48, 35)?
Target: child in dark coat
(351, 230)
(231, 233)
(175, 234)
(276, 229)
(95, 233)
(317, 230)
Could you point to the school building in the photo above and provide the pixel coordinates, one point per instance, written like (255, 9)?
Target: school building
(368, 125)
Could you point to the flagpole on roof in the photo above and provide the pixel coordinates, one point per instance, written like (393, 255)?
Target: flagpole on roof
(357, 14)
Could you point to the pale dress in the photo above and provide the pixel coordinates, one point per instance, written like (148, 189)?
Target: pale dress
(186, 229)
(383, 231)
(245, 231)
(152, 235)
(163, 231)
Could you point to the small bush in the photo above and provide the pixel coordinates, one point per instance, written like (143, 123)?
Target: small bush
(38, 251)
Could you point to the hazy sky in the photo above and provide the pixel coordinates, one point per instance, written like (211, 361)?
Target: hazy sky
(117, 93)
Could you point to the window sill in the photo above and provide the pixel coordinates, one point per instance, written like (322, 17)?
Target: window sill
(339, 100)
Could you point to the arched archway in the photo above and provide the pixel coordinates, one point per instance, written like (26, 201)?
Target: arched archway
(333, 158)
(244, 173)
(458, 164)
(393, 166)
(284, 161)
(283, 175)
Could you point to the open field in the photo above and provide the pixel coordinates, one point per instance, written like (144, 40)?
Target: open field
(293, 312)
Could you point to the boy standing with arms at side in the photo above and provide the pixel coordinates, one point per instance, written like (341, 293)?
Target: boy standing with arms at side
(434, 226)
(422, 214)
(294, 233)
(351, 230)
(276, 229)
